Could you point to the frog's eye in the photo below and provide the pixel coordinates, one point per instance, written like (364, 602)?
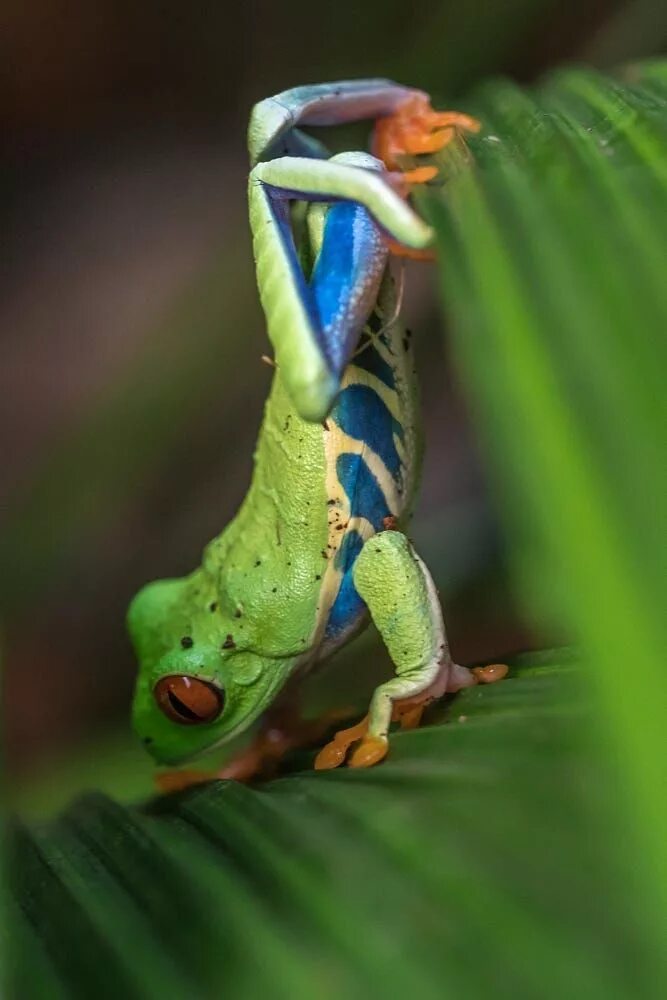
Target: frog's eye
(188, 700)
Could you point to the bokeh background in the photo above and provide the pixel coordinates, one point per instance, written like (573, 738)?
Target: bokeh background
(131, 381)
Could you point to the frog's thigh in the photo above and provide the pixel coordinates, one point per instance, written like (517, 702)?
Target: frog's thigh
(403, 602)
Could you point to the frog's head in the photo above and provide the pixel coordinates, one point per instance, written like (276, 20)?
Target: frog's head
(193, 692)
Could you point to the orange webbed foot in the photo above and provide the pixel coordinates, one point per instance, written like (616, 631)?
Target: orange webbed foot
(415, 128)
(371, 749)
(333, 753)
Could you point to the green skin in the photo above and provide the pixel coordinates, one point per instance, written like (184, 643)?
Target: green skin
(255, 614)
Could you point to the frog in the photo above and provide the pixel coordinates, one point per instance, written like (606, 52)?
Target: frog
(318, 547)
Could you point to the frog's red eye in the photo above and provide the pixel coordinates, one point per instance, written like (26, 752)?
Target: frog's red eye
(188, 700)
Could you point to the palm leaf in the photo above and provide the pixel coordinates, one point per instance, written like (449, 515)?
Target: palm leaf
(313, 885)
(514, 846)
(554, 274)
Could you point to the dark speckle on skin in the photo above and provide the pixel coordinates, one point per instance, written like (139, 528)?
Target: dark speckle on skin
(213, 606)
(186, 642)
(319, 576)
(147, 740)
(258, 562)
(229, 642)
(238, 613)
(274, 590)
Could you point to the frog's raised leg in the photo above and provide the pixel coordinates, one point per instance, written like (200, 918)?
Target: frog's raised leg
(403, 603)
(273, 131)
(314, 324)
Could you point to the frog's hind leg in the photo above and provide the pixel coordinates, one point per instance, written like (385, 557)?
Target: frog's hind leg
(314, 321)
(403, 602)
(273, 132)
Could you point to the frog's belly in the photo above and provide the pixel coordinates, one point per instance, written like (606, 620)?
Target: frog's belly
(368, 480)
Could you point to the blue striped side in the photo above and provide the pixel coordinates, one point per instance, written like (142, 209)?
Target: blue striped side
(363, 415)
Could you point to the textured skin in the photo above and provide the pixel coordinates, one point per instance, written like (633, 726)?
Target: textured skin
(271, 578)
(306, 558)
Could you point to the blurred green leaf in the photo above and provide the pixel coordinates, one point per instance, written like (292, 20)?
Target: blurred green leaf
(518, 850)
(553, 247)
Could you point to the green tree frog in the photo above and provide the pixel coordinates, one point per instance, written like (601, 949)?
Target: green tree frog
(318, 545)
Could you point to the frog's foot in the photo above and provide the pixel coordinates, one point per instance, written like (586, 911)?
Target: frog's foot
(372, 749)
(333, 753)
(415, 128)
(407, 712)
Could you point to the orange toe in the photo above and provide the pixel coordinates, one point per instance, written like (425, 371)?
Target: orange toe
(333, 753)
(490, 674)
(370, 751)
(415, 128)
(330, 756)
(453, 119)
(420, 142)
(420, 175)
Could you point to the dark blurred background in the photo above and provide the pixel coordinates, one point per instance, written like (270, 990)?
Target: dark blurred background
(132, 386)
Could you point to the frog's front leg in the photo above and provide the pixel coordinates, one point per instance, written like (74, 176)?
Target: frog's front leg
(403, 602)
(282, 730)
